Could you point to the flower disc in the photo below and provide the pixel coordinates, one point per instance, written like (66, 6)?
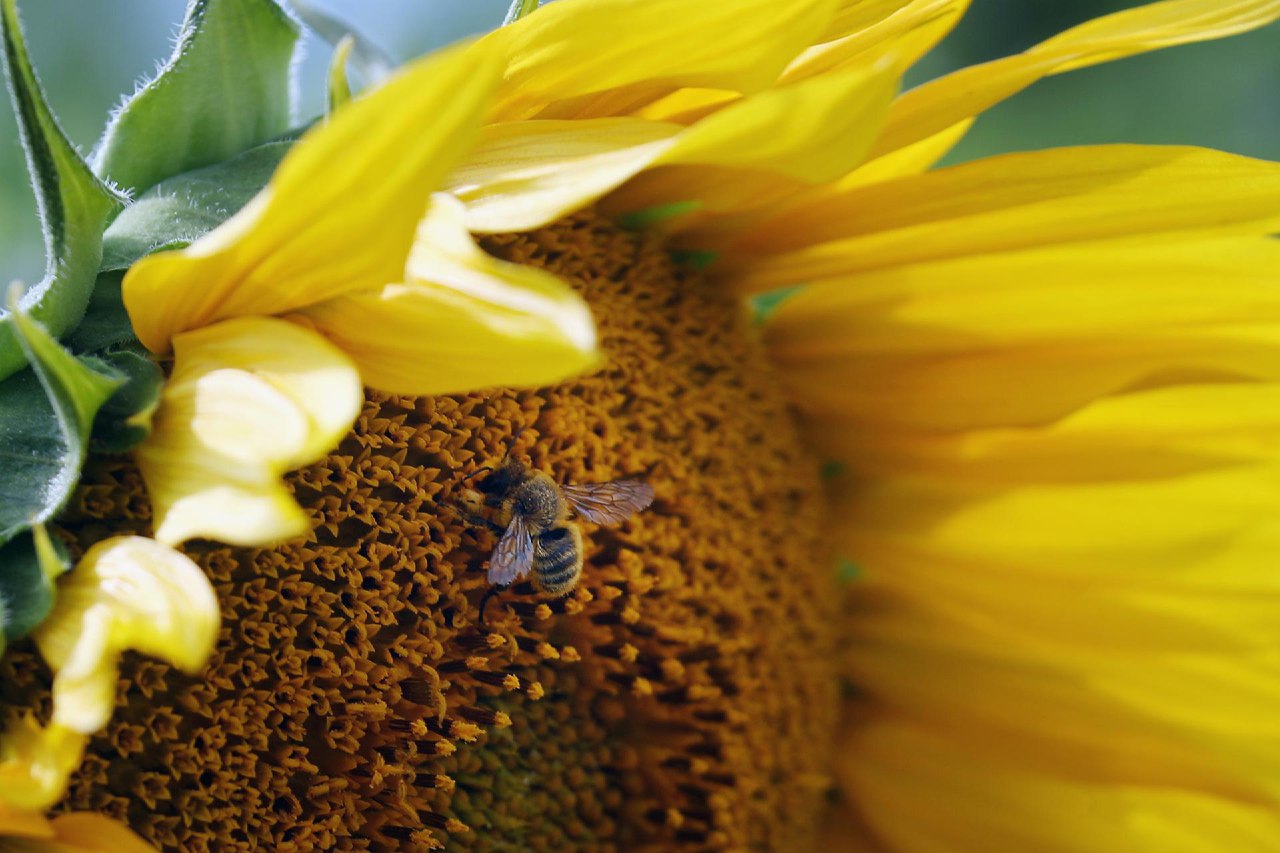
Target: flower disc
(684, 694)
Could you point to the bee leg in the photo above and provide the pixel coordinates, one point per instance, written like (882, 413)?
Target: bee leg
(484, 599)
(475, 520)
(481, 521)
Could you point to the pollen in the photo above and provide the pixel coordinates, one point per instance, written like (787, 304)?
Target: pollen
(355, 702)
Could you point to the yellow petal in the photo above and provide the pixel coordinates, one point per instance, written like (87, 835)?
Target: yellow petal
(974, 390)
(748, 198)
(338, 216)
(1033, 298)
(687, 106)
(866, 31)
(813, 130)
(36, 762)
(524, 175)
(1015, 201)
(938, 105)
(765, 148)
(77, 832)
(573, 49)
(909, 160)
(88, 832)
(126, 593)
(940, 346)
(1113, 633)
(1207, 528)
(20, 823)
(248, 400)
(527, 174)
(864, 34)
(1167, 717)
(1141, 434)
(855, 16)
(922, 790)
(462, 319)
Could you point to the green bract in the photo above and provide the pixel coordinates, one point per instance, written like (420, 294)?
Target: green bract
(75, 206)
(195, 145)
(29, 564)
(225, 89)
(46, 414)
(181, 209)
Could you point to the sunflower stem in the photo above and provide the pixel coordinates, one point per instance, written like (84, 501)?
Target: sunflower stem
(519, 8)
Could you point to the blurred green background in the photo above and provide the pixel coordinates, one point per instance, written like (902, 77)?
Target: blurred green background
(1222, 94)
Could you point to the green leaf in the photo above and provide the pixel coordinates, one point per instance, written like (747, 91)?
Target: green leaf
(74, 205)
(225, 89)
(125, 419)
(180, 210)
(29, 564)
(46, 415)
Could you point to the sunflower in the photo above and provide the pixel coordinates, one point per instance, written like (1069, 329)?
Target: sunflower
(963, 495)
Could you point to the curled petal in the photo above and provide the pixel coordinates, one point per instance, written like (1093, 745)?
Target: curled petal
(524, 175)
(128, 592)
(36, 761)
(249, 399)
(462, 319)
(339, 214)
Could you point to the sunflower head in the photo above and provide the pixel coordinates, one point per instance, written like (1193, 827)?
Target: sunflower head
(259, 396)
(365, 699)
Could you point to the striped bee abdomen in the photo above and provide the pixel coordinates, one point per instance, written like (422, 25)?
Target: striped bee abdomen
(558, 558)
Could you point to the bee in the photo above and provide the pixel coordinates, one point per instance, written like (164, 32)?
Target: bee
(539, 536)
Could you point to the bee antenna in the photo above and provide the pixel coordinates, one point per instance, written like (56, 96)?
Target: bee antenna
(484, 599)
(511, 442)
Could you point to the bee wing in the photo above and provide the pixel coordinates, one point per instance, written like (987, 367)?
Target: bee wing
(609, 503)
(513, 558)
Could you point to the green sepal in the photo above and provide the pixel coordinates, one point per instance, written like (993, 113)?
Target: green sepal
(125, 419)
(225, 89)
(847, 572)
(518, 9)
(369, 63)
(764, 304)
(29, 565)
(180, 210)
(339, 87)
(75, 206)
(77, 388)
(647, 217)
(46, 416)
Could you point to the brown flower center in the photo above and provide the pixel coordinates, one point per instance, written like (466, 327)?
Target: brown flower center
(683, 696)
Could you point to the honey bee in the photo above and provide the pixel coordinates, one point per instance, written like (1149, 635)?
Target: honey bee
(539, 536)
